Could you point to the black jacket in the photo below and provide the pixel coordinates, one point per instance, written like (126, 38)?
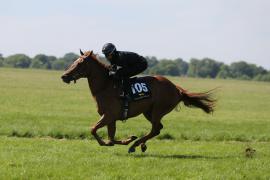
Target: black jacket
(130, 63)
(127, 59)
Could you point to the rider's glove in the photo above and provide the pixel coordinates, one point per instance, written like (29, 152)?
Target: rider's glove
(113, 67)
(113, 70)
(112, 73)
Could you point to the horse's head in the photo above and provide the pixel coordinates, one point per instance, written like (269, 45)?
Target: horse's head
(79, 68)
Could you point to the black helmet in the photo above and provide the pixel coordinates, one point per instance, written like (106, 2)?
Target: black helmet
(108, 48)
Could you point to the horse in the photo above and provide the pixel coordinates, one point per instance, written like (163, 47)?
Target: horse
(165, 96)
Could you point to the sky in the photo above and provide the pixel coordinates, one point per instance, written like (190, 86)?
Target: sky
(224, 30)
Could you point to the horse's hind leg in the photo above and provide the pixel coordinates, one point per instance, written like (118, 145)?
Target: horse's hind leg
(156, 127)
(143, 145)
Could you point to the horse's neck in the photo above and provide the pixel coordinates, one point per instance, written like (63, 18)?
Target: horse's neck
(98, 80)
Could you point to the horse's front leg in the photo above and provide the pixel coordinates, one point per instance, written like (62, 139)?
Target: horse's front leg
(111, 134)
(101, 123)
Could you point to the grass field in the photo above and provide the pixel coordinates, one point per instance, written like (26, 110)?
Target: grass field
(44, 133)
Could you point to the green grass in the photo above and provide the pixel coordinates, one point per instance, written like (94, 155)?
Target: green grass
(83, 159)
(36, 104)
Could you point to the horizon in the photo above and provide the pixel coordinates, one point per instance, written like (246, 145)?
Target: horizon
(159, 59)
(225, 31)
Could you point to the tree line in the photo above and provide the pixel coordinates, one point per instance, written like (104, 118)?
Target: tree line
(207, 68)
(202, 68)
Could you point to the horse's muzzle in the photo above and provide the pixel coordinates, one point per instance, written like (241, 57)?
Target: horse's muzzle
(66, 79)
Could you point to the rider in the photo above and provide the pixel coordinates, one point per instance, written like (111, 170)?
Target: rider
(123, 65)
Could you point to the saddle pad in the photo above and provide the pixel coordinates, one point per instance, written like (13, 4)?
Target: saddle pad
(139, 89)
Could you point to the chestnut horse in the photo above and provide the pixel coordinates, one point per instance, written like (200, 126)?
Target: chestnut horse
(165, 96)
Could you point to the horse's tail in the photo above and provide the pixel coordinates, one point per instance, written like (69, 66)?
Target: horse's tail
(205, 100)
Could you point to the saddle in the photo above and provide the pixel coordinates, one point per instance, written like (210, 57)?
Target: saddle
(133, 89)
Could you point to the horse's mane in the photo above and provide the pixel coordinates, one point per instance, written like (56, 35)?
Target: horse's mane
(95, 58)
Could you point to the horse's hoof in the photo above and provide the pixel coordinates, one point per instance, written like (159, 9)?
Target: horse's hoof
(143, 147)
(131, 150)
(133, 138)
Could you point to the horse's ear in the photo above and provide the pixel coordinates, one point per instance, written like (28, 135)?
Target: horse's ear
(91, 53)
(81, 52)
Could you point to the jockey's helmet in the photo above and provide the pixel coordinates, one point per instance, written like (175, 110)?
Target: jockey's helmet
(108, 49)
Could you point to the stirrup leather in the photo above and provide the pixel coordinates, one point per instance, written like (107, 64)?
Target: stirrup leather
(125, 109)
